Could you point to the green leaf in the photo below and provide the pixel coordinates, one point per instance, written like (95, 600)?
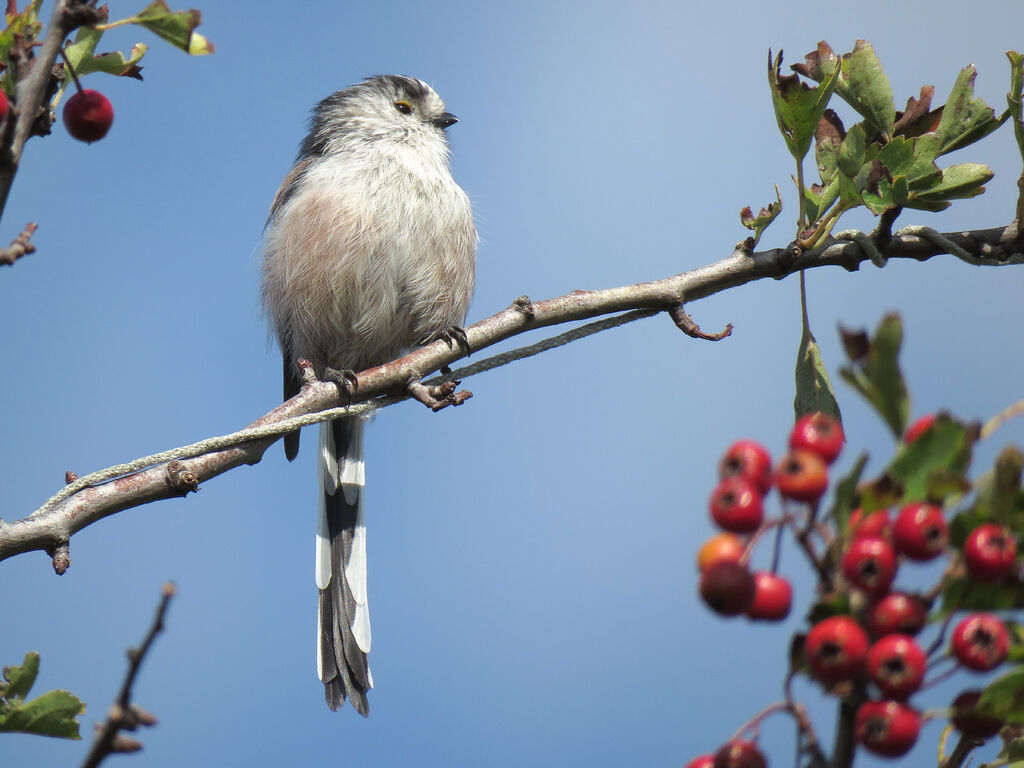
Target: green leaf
(85, 61)
(934, 466)
(1006, 489)
(813, 387)
(766, 216)
(963, 594)
(852, 152)
(957, 182)
(21, 679)
(965, 119)
(176, 27)
(798, 106)
(52, 714)
(875, 371)
(846, 495)
(1015, 100)
(865, 86)
(1004, 698)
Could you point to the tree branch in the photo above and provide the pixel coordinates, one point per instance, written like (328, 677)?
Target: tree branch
(123, 714)
(174, 473)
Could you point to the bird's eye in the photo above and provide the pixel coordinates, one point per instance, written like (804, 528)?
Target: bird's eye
(404, 107)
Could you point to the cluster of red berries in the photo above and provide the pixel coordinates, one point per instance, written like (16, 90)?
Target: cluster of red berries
(878, 644)
(737, 507)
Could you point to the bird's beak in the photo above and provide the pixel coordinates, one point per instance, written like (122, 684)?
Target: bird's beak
(445, 119)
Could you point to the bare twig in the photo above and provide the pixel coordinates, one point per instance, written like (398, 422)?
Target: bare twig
(96, 496)
(19, 247)
(123, 714)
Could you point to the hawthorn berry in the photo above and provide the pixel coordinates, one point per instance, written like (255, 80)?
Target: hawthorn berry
(739, 754)
(920, 531)
(896, 613)
(875, 525)
(969, 722)
(4, 105)
(887, 728)
(870, 564)
(989, 552)
(727, 588)
(896, 664)
(721, 547)
(702, 761)
(981, 642)
(748, 459)
(836, 649)
(802, 476)
(88, 116)
(773, 597)
(736, 505)
(918, 428)
(819, 433)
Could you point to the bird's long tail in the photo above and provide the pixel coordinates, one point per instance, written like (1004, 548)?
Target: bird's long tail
(343, 628)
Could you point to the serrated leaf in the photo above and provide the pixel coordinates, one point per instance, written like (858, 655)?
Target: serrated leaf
(767, 215)
(865, 87)
(813, 386)
(20, 679)
(798, 106)
(965, 119)
(828, 137)
(875, 373)
(176, 27)
(852, 152)
(957, 182)
(51, 714)
(934, 466)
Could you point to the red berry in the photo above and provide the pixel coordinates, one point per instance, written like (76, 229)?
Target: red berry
(749, 460)
(989, 552)
(887, 728)
(981, 642)
(88, 116)
(920, 531)
(836, 649)
(819, 433)
(896, 665)
(4, 105)
(870, 564)
(703, 761)
(802, 475)
(918, 428)
(967, 720)
(736, 505)
(727, 588)
(721, 547)
(773, 597)
(739, 754)
(875, 525)
(896, 613)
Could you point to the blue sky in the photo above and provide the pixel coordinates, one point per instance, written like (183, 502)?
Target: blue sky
(532, 584)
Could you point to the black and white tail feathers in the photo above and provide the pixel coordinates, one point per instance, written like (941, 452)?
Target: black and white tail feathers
(343, 626)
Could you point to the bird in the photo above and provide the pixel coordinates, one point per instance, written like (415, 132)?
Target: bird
(369, 249)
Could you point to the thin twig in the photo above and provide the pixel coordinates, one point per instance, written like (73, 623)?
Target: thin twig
(123, 714)
(20, 246)
(962, 750)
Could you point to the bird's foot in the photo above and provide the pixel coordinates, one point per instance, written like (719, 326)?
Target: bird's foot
(345, 380)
